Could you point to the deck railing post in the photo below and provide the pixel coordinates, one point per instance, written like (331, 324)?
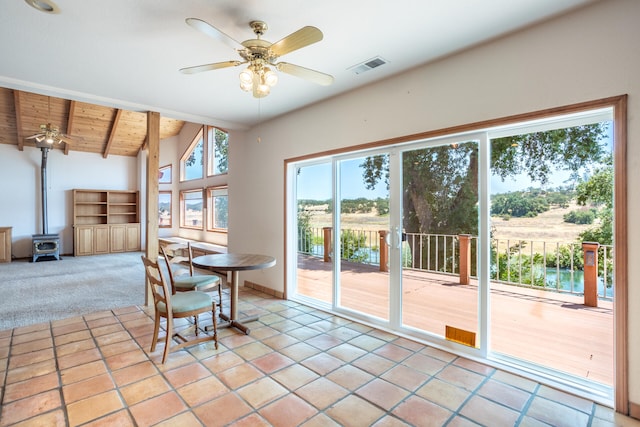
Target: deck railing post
(326, 237)
(384, 251)
(590, 253)
(465, 258)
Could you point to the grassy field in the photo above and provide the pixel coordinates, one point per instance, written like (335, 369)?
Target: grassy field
(548, 226)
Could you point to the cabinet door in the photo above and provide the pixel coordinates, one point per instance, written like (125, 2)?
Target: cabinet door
(101, 239)
(133, 237)
(5, 244)
(118, 238)
(83, 243)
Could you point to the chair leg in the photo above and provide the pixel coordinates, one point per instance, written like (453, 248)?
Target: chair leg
(220, 296)
(215, 323)
(195, 321)
(168, 338)
(156, 328)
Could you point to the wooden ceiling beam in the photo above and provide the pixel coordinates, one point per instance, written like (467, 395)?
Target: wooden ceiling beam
(112, 134)
(18, 109)
(72, 113)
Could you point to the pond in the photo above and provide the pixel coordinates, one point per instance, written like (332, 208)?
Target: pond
(566, 277)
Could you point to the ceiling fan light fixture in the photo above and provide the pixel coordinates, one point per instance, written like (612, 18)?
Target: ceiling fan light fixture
(257, 78)
(246, 76)
(270, 78)
(247, 87)
(261, 90)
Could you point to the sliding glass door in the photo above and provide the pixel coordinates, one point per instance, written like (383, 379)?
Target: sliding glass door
(440, 224)
(313, 223)
(497, 244)
(363, 223)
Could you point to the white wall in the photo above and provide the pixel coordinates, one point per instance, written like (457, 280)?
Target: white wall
(20, 190)
(587, 55)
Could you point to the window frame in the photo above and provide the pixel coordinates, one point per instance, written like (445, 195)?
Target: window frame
(199, 137)
(212, 211)
(183, 204)
(211, 158)
(619, 108)
(161, 174)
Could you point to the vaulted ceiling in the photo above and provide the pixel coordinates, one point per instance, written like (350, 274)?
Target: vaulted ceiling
(105, 64)
(90, 127)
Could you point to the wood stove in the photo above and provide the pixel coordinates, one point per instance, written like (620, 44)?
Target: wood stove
(45, 244)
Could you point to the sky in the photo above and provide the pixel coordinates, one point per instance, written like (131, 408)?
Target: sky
(314, 182)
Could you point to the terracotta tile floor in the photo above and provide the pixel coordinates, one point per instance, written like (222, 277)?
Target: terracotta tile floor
(299, 367)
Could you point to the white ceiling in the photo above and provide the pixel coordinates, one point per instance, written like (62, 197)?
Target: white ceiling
(126, 53)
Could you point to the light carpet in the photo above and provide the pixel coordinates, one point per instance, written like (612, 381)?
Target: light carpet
(52, 290)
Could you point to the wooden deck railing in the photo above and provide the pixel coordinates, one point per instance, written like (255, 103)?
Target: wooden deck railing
(587, 267)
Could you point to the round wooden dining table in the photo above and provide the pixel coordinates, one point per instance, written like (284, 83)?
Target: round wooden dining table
(234, 263)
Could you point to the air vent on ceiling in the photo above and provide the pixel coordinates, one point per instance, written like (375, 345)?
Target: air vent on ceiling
(367, 65)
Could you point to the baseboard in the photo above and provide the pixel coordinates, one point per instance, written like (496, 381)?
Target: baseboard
(268, 291)
(634, 410)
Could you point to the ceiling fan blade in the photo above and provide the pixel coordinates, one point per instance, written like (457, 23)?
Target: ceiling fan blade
(209, 67)
(305, 73)
(38, 135)
(294, 41)
(213, 32)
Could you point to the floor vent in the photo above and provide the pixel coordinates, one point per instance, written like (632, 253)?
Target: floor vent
(460, 336)
(369, 64)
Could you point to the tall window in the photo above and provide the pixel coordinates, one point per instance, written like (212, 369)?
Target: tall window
(192, 162)
(191, 209)
(218, 146)
(164, 209)
(218, 212)
(164, 176)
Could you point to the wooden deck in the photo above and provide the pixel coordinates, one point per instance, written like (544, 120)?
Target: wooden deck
(542, 327)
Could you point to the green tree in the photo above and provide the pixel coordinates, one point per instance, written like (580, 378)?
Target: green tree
(221, 147)
(441, 183)
(305, 234)
(598, 190)
(580, 217)
(519, 204)
(350, 244)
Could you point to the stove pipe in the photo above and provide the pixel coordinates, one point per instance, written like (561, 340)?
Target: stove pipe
(43, 192)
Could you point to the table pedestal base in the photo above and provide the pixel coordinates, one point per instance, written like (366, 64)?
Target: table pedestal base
(228, 323)
(238, 323)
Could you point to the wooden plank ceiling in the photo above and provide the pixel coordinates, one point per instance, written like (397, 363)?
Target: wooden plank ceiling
(91, 128)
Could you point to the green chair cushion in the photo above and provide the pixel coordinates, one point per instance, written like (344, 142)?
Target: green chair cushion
(198, 283)
(187, 301)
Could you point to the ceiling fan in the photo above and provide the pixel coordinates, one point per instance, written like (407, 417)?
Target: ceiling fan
(261, 55)
(49, 134)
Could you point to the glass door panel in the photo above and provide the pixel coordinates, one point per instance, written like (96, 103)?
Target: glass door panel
(551, 250)
(314, 191)
(364, 217)
(440, 219)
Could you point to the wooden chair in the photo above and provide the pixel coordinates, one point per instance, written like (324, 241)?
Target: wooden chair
(181, 274)
(182, 304)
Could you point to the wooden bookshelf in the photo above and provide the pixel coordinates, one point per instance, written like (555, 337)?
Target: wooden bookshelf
(105, 221)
